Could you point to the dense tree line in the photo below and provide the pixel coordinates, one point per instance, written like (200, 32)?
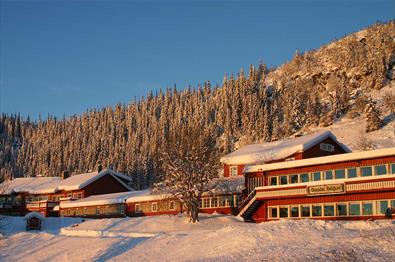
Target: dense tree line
(261, 105)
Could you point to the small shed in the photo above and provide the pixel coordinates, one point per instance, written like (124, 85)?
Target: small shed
(33, 221)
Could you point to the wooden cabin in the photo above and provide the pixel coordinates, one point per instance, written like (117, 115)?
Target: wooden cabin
(348, 186)
(297, 148)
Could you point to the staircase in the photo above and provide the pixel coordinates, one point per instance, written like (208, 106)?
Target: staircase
(249, 205)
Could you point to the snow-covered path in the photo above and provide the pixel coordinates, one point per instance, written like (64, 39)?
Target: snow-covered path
(215, 238)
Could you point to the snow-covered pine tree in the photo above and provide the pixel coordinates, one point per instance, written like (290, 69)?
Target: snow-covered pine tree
(373, 121)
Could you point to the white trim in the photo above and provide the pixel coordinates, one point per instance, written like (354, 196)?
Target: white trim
(322, 160)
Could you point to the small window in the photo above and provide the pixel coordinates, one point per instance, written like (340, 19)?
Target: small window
(206, 202)
(154, 207)
(233, 171)
(172, 205)
(79, 195)
(393, 168)
(98, 211)
(293, 179)
(273, 181)
(380, 170)
(340, 174)
(317, 210)
(283, 180)
(328, 175)
(351, 172)
(393, 203)
(290, 159)
(137, 208)
(316, 176)
(283, 212)
(305, 211)
(304, 178)
(327, 147)
(382, 206)
(329, 210)
(273, 212)
(355, 209)
(122, 209)
(341, 209)
(295, 211)
(366, 171)
(367, 208)
(214, 202)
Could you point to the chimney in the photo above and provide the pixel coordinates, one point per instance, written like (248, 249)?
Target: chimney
(99, 168)
(65, 174)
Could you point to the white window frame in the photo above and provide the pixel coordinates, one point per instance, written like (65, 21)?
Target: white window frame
(270, 214)
(154, 204)
(327, 147)
(137, 208)
(231, 169)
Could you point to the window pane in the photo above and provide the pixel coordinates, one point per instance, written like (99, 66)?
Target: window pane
(317, 210)
(328, 175)
(393, 203)
(304, 178)
(367, 209)
(283, 180)
(382, 206)
(294, 211)
(293, 179)
(351, 172)
(393, 168)
(283, 211)
(305, 211)
(380, 170)
(341, 173)
(341, 209)
(355, 209)
(273, 181)
(273, 212)
(317, 176)
(329, 210)
(366, 171)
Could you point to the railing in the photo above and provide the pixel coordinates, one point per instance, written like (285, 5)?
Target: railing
(247, 199)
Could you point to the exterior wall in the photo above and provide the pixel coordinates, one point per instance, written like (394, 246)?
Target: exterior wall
(105, 185)
(97, 211)
(227, 170)
(146, 208)
(315, 150)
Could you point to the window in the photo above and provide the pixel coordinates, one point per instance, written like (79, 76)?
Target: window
(328, 175)
(206, 202)
(273, 181)
(293, 179)
(79, 195)
(214, 202)
(289, 159)
(317, 210)
(154, 207)
(340, 173)
(355, 209)
(273, 212)
(367, 208)
(122, 209)
(304, 178)
(172, 205)
(329, 210)
(316, 176)
(366, 171)
(351, 172)
(341, 209)
(74, 195)
(393, 168)
(283, 211)
(233, 171)
(69, 195)
(327, 147)
(305, 211)
(380, 170)
(295, 211)
(283, 180)
(230, 201)
(393, 203)
(382, 206)
(98, 211)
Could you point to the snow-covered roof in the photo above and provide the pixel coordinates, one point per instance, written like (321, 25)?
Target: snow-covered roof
(33, 214)
(322, 160)
(26, 184)
(80, 181)
(146, 195)
(105, 199)
(266, 152)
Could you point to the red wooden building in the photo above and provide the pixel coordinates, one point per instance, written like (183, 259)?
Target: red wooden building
(348, 186)
(296, 148)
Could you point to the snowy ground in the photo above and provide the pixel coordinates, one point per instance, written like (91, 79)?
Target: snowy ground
(215, 238)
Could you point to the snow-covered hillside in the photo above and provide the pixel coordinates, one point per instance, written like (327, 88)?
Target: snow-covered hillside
(215, 238)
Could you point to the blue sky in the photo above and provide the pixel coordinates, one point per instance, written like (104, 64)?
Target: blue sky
(66, 57)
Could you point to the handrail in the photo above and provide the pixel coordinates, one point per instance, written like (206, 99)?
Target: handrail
(247, 199)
